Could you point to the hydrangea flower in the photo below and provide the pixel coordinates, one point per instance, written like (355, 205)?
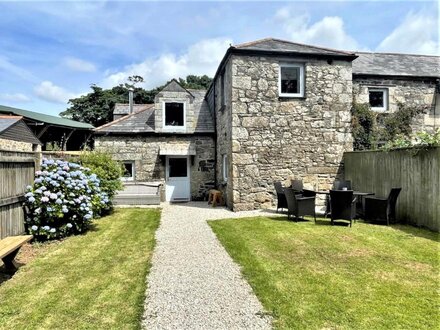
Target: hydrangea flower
(64, 195)
(34, 228)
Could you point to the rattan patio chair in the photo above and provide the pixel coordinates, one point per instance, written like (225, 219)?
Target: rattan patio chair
(281, 197)
(342, 205)
(299, 205)
(382, 209)
(297, 185)
(339, 184)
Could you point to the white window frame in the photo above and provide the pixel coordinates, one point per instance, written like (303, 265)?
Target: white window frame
(133, 171)
(301, 79)
(225, 167)
(171, 127)
(385, 98)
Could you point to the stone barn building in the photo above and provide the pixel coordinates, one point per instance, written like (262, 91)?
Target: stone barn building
(172, 141)
(276, 110)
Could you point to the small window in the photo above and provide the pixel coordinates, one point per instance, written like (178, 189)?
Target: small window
(128, 171)
(174, 114)
(378, 98)
(291, 80)
(225, 168)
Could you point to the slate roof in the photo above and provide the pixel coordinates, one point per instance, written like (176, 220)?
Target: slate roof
(174, 86)
(202, 113)
(137, 122)
(14, 128)
(284, 46)
(142, 119)
(388, 64)
(48, 119)
(123, 108)
(7, 121)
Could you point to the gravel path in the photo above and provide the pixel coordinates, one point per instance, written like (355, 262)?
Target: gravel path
(194, 283)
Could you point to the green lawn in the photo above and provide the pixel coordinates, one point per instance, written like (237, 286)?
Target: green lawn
(93, 281)
(315, 276)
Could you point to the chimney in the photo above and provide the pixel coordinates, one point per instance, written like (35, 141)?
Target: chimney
(130, 100)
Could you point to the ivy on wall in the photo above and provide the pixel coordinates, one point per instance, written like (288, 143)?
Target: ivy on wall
(372, 129)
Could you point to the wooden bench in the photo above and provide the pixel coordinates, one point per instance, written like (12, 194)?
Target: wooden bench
(9, 248)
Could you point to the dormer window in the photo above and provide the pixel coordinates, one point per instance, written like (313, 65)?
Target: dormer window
(174, 115)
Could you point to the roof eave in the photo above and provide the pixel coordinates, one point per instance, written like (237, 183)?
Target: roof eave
(153, 133)
(241, 51)
(394, 76)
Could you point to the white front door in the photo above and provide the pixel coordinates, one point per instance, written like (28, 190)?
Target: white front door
(177, 186)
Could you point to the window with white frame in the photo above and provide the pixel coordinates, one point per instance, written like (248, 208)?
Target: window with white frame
(174, 115)
(291, 80)
(378, 98)
(225, 168)
(128, 174)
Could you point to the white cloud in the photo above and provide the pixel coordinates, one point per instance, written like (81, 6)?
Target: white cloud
(200, 58)
(48, 91)
(14, 97)
(77, 64)
(418, 33)
(7, 66)
(328, 32)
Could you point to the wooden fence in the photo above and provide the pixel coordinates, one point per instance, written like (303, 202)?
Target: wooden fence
(418, 174)
(17, 170)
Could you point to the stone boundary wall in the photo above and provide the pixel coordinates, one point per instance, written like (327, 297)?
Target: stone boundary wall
(13, 145)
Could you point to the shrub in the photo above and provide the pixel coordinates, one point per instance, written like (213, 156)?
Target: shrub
(63, 200)
(108, 170)
(370, 128)
(363, 121)
(399, 123)
(419, 140)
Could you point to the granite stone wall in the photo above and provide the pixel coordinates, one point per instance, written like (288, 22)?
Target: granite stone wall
(149, 166)
(13, 145)
(409, 92)
(224, 132)
(277, 138)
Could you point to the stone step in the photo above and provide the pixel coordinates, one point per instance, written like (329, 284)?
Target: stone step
(136, 199)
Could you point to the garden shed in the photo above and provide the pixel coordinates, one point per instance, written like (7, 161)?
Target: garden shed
(65, 133)
(16, 135)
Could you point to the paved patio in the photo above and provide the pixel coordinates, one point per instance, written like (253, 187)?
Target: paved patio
(193, 282)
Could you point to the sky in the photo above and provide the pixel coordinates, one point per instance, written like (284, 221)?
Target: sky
(53, 51)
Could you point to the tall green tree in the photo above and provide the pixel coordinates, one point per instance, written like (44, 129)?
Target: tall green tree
(96, 107)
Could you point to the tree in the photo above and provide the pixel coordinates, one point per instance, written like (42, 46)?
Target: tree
(196, 82)
(96, 107)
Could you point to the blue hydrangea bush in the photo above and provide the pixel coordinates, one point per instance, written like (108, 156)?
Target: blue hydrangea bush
(63, 200)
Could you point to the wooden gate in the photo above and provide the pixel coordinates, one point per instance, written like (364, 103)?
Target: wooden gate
(17, 170)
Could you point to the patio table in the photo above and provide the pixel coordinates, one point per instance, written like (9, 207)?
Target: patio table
(360, 209)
